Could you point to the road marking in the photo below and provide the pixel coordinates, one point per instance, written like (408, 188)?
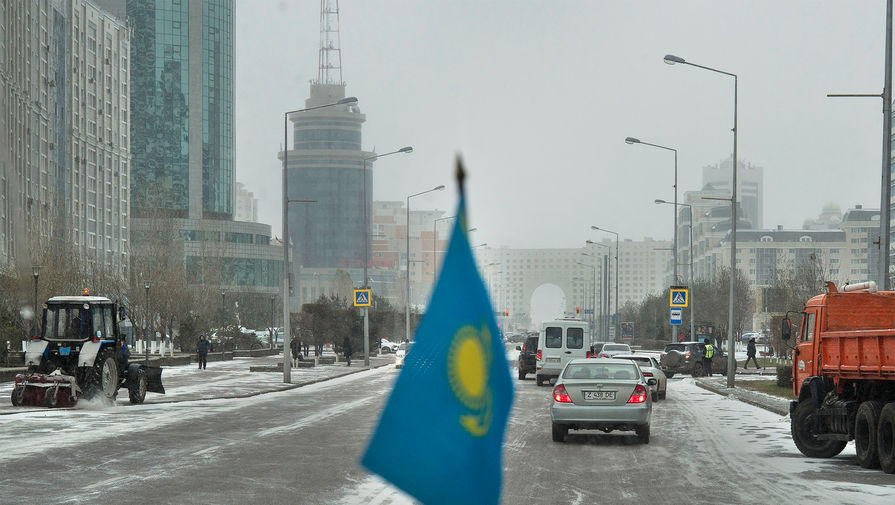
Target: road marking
(107, 482)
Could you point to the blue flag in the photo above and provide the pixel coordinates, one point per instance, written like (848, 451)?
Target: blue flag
(440, 436)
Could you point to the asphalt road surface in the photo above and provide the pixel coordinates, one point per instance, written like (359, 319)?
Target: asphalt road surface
(301, 446)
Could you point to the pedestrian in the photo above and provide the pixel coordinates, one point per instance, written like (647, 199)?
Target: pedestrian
(750, 354)
(346, 348)
(707, 358)
(295, 347)
(680, 337)
(202, 348)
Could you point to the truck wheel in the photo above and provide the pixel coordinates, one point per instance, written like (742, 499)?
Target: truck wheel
(804, 433)
(539, 380)
(103, 379)
(885, 438)
(521, 374)
(866, 426)
(669, 375)
(136, 387)
(559, 432)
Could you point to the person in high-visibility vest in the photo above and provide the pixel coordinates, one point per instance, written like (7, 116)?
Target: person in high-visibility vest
(707, 358)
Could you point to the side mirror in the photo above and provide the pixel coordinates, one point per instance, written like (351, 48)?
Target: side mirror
(786, 329)
(518, 347)
(652, 382)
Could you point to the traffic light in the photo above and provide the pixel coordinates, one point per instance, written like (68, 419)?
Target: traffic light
(506, 313)
(577, 310)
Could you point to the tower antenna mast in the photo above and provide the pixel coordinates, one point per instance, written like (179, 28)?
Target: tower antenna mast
(330, 57)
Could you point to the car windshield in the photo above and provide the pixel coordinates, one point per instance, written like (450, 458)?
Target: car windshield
(640, 360)
(675, 347)
(598, 370)
(616, 347)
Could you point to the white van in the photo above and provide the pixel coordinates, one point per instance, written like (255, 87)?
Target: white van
(558, 342)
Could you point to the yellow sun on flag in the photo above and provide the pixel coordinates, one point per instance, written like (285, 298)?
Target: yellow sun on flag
(468, 361)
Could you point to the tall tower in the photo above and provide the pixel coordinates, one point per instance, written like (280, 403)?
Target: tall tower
(326, 164)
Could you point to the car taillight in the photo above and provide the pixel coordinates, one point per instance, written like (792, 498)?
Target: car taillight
(560, 395)
(539, 354)
(587, 355)
(605, 356)
(687, 355)
(638, 396)
(647, 374)
(524, 347)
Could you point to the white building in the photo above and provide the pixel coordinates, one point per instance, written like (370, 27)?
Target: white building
(246, 205)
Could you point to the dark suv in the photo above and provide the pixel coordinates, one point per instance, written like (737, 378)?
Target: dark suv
(528, 357)
(686, 357)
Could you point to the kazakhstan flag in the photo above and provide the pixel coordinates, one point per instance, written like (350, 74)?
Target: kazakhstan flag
(440, 436)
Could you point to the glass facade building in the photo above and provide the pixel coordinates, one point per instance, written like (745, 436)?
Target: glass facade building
(182, 108)
(326, 164)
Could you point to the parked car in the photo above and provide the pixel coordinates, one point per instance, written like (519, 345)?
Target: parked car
(401, 352)
(609, 349)
(558, 342)
(528, 357)
(386, 346)
(650, 368)
(602, 394)
(686, 357)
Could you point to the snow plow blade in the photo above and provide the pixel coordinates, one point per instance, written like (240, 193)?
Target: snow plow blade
(45, 390)
(154, 379)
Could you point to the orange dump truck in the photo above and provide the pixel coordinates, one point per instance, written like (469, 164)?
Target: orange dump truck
(844, 375)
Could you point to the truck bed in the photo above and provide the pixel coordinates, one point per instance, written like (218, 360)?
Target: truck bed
(868, 353)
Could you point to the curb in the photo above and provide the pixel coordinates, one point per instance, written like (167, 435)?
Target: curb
(744, 395)
(243, 395)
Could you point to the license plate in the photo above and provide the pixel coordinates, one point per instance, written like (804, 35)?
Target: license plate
(599, 395)
(552, 360)
(64, 351)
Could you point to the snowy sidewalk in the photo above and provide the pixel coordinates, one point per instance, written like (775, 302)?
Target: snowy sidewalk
(718, 384)
(226, 379)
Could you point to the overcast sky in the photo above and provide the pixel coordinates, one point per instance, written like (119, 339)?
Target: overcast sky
(538, 97)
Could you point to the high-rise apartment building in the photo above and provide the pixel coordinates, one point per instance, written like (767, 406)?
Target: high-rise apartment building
(246, 205)
(64, 139)
(750, 179)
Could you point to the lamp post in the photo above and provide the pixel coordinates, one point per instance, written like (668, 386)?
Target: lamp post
(364, 284)
(35, 324)
(287, 357)
(608, 297)
(594, 269)
(407, 305)
(731, 362)
(632, 140)
(690, 254)
(483, 244)
(146, 285)
(272, 320)
(617, 272)
(223, 321)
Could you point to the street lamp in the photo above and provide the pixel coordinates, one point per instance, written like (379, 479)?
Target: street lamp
(594, 291)
(223, 322)
(608, 297)
(407, 305)
(287, 356)
(146, 286)
(407, 149)
(35, 322)
(632, 140)
(435, 246)
(617, 272)
(272, 320)
(690, 254)
(731, 362)
(483, 244)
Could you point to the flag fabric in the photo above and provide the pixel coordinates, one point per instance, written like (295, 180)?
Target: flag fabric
(440, 435)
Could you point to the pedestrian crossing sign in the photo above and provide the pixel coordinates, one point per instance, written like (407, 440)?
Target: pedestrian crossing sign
(362, 297)
(678, 296)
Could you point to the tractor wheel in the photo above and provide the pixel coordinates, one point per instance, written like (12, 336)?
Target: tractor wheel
(136, 387)
(804, 433)
(103, 379)
(16, 396)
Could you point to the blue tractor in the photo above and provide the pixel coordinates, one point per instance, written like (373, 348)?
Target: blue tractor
(80, 353)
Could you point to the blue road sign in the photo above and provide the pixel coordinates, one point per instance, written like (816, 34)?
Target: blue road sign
(677, 297)
(675, 318)
(362, 297)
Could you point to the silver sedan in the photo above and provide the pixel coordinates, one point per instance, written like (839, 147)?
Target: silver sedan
(602, 394)
(650, 368)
